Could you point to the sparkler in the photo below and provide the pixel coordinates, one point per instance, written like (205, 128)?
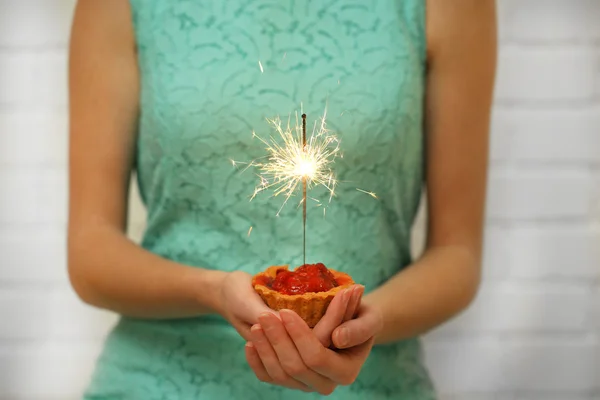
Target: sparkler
(293, 159)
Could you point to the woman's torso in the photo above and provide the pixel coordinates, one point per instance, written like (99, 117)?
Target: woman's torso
(211, 72)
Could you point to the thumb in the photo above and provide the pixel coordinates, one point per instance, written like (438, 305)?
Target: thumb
(257, 306)
(333, 317)
(247, 305)
(246, 314)
(358, 331)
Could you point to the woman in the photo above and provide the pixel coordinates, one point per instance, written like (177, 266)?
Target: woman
(173, 88)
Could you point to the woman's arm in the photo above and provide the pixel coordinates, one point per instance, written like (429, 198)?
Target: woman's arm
(462, 59)
(106, 269)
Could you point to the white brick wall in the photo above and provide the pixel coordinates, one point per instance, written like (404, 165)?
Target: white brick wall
(546, 74)
(534, 332)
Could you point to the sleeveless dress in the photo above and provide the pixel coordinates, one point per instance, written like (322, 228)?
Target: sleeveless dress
(202, 95)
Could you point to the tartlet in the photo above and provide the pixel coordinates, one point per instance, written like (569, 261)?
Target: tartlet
(308, 290)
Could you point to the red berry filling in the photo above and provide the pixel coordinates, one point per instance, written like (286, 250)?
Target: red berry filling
(307, 278)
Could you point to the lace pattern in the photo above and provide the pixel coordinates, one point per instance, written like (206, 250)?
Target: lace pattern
(202, 94)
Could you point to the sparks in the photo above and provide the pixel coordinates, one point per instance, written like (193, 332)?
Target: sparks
(289, 161)
(261, 67)
(249, 231)
(372, 194)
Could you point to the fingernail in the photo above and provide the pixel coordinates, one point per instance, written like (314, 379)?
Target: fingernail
(286, 316)
(347, 295)
(342, 337)
(266, 319)
(250, 345)
(255, 328)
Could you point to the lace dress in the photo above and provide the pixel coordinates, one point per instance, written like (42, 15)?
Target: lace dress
(203, 92)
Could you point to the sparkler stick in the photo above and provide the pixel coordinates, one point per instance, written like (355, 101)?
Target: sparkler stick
(293, 159)
(304, 191)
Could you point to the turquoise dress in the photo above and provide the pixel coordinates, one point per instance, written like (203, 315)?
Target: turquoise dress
(202, 95)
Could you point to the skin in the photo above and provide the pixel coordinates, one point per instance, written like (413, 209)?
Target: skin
(285, 352)
(461, 69)
(107, 270)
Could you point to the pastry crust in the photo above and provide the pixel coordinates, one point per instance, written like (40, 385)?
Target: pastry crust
(309, 306)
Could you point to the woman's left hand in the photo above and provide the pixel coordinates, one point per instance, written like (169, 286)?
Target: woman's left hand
(288, 353)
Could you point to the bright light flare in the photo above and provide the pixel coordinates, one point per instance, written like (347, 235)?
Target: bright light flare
(288, 161)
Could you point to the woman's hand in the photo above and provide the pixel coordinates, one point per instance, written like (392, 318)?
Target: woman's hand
(240, 304)
(286, 352)
(343, 308)
(359, 330)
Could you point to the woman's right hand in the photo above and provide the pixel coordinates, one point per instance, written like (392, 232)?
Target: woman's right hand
(240, 304)
(276, 357)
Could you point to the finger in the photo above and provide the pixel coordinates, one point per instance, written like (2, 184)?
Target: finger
(271, 362)
(242, 328)
(359, 330)
(354, 302)
(356, 355)
(256, 364)
(288, 356)
(244, 332)
(333, 317)
(317, 357)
